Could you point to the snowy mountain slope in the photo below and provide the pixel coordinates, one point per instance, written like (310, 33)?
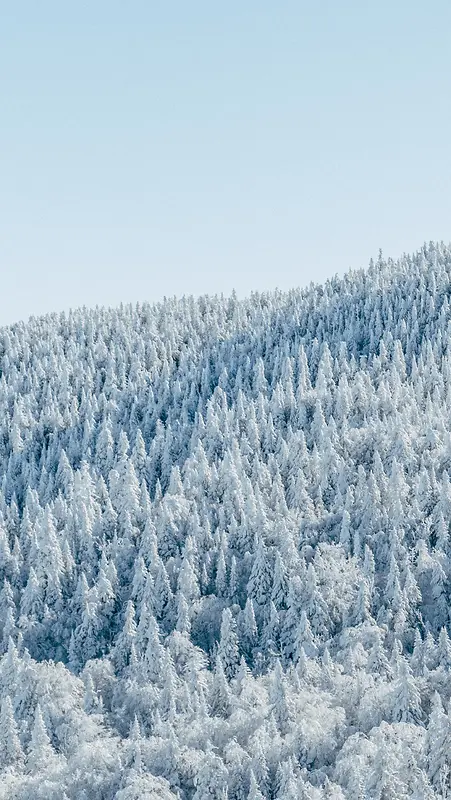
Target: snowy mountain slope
(224, 544)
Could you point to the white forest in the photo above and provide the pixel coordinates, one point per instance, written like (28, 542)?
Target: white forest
(225, 557)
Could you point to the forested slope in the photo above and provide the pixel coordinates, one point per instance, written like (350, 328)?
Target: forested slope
(224, 545)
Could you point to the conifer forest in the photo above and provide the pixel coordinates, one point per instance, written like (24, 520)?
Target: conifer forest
(225, 556)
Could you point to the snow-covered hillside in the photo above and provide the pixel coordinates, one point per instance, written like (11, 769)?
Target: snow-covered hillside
(224, 545)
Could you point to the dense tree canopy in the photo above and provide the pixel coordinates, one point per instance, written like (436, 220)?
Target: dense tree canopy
(225, 554)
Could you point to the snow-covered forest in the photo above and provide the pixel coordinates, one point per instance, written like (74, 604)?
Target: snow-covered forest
(225, 555)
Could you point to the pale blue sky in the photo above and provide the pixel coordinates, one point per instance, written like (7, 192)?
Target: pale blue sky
(151, 149)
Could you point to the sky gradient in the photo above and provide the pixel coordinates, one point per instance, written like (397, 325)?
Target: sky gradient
(151, 149)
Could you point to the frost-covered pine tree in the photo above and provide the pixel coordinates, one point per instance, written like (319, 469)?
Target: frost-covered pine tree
(10, 747)
(228, 650)
(40, 751)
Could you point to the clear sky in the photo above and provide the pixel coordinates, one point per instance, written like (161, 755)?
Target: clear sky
(159, 148)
